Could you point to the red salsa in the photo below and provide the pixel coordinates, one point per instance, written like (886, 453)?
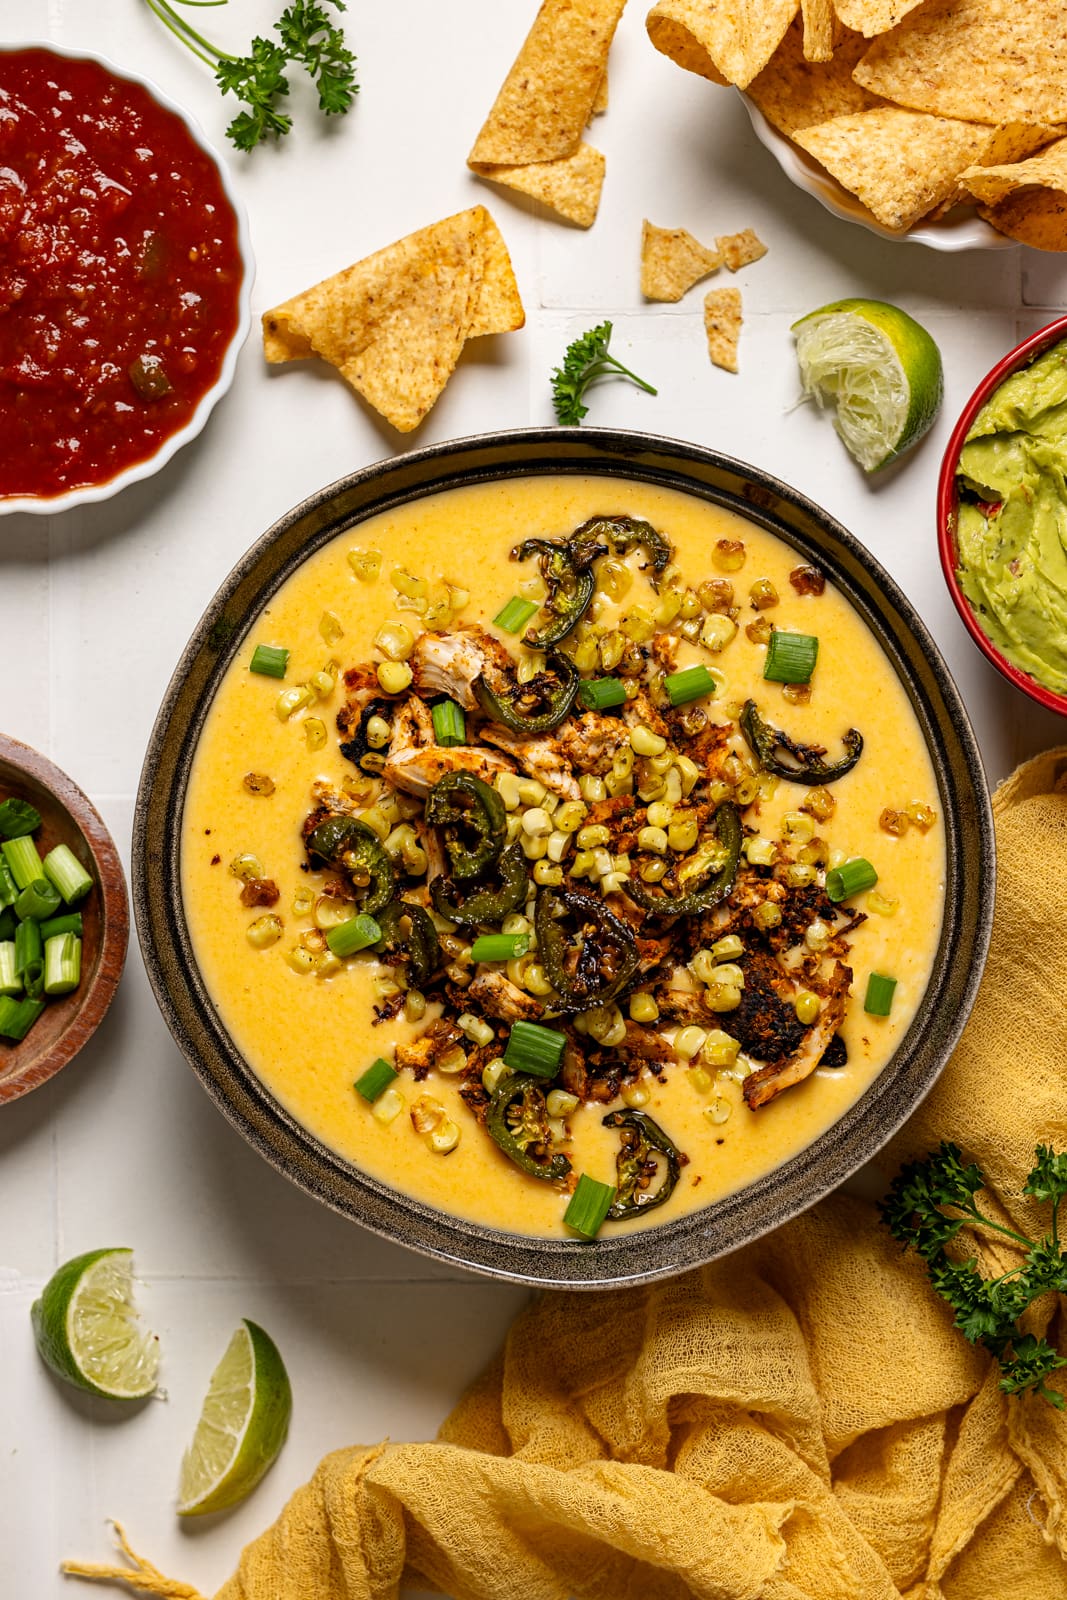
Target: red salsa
(119, 274)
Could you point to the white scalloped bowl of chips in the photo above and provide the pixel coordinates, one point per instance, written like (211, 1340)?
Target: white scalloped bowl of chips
(959, 229)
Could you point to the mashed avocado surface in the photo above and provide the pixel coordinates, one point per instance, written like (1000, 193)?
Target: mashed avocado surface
(1012, 523)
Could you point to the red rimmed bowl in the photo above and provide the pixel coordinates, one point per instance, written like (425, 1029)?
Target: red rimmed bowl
(67, 817)
(948, 506)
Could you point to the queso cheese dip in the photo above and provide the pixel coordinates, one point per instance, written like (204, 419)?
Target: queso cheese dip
(721, 1034)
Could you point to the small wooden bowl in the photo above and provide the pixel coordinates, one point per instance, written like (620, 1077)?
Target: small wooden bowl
(67, 817)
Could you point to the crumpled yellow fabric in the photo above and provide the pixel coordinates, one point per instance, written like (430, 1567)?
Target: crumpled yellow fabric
(797, 1422)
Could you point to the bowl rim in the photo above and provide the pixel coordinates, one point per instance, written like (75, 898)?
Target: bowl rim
(811, 1173)
(137, 471)
(96, 997)
(948, 503)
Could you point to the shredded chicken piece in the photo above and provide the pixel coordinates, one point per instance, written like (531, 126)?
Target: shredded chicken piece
(640, 712)
(449, 663)
(539, 758)
(422, 1052)
(769, 1081)
(501, 998)
(591, 742)
(415, 763)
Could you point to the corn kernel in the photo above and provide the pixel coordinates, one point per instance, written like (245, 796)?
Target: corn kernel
(610, 650)
(717, 632)
(722, 997)
(616, 578)
(301, 961)
(592, 788)
(894, 822)
(493, 1072)
(760, 852)
(763, 594)
(414, 1005)
(292, 700)
(798, 828)
(635, 1095)
(923, 816)
(729, 973)
(767, 915)
(366, 564)
(264, 931)
(639, 625)
(729, 555)
(534, 846)
(716, 594)
(652, 839)
(583, 864)
(688, 1042)
(303, 902)
(719, 1111)
(531, 793)
(798, 694)
(570, 816)
(759, 632)
(507, 787)
(699, 1079)
(388, 1106)
(444, 1138)
(643, 1007)
(818, 935)
(558, 845)
(475, 1029)
(816, 854)
(807, 1007)
(690, 608)
(394, 676)
(881, 904)
(719, 1049)
(820, 804)
(593, 835)
(728, 948)
(547, 874)
(584, 655)
(536, 822)
(514, 829)
(653, 871)
(559, 1103)
(799, 874)
(670, 604)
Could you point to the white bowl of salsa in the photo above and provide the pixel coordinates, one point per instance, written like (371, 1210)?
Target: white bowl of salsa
(125, 279)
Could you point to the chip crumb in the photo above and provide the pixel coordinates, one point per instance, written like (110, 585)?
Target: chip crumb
(740, 249)
(672, 261)
(722, 323)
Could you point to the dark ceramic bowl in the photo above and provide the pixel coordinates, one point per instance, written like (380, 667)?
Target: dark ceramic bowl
(948, 506)
(771, 1200)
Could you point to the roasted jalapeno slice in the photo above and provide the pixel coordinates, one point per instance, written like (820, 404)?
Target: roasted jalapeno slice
(567, 568)
(408, 934)
(534, 707)
(807, 765)
(518, 1120)
(486, 904)
(589, 967)
(623, 533)
(728, 827)
(472, 818)
(351, 847)
(642, 1143)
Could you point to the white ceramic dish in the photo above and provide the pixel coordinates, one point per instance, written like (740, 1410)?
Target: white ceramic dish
(961, 229)
(89, 494)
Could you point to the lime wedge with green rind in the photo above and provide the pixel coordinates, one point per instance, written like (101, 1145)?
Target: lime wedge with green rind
(88, 1330)
(878, 368)
(242, 1426)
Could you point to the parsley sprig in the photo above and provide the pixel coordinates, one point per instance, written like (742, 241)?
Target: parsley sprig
(309, 39)
(586, 360)
(927, 1205)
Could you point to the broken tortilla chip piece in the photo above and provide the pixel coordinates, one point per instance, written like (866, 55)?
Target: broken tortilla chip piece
(394, 324)
(902, 164)
(871, 17)
(672, 261)
(819, 20)
(793, 93)
(722, 324)
(571, 185)
(720, 42)
(977, 60)
(1027, 200)
(741, 249)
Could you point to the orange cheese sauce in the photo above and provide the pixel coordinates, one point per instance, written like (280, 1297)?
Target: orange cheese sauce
(308, 1038)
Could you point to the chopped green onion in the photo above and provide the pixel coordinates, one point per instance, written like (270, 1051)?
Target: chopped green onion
(71, 922)
(791, 657)
(38, 901)
(499, 946)
(33, 979)
(850, 878)
(28, 946)
(22, 858)
(879, 998)
(62, 963)
(269, 659)
(10, 982)
(18, 817)
(600, 694)
(515, 615)
(693, 683)
(355, 934)
(534, 1049)
(449, 724)
(8, 922)
(589, 1205)
(17, 1017)
(9, 889)
(67, 873)
(377, 1078)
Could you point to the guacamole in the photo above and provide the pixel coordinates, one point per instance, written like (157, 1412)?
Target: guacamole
(1011, 530)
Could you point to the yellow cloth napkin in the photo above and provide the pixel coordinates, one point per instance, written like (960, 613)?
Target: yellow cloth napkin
(797, 1422)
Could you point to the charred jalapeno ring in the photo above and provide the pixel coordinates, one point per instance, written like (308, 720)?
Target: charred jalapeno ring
(605, 960)
(358, 748)
(416, 944)
(351, 847)
(567, 568)
(465, 809)
(623, 533)
(728, 826)
(763, 741)
(518, 1121)
(640, 1140)
(557, 698)
(486, 904)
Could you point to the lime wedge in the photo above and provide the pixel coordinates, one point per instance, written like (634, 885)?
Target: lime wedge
(879, 368)
(242, 1425)
(88, 1331)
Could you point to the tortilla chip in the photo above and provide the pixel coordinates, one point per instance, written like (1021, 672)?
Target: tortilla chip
(1027, 200)
(903, 164)
(722, 324)
(571, 185)
(549, 94)
(726, 43)
(793, 93)
(977, 60)
(871, 17)
(819, 23)
(672, 261)
(740, 249)
(394, 324)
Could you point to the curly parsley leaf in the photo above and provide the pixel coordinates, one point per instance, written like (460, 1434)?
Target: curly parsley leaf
(927, 1205)
(587, 359)
(310, 38)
